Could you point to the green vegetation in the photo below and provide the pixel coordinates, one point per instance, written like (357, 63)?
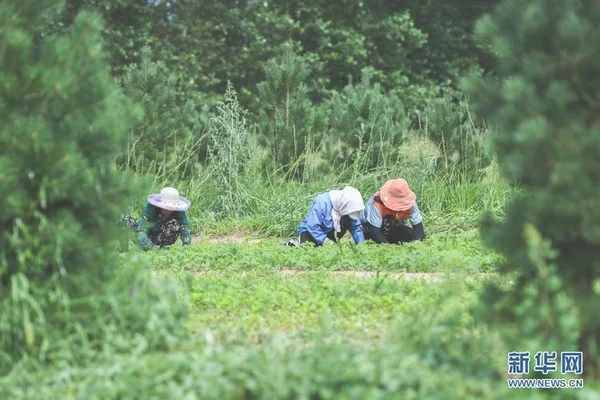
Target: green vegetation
(548, 141)
(413, 47)
(458, 253)
(62, 126)
(237, 315)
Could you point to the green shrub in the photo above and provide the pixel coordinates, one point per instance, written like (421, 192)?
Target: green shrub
(62, 301)
(229, 155)
(544, 108)
(62, 125)
(290, 125)
(367, 126)
(448, 122)
(171, 139)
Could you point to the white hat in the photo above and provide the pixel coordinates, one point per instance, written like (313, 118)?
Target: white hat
(169, 199)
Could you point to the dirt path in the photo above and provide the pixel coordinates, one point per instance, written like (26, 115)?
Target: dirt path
(233, 239)
(409, 276)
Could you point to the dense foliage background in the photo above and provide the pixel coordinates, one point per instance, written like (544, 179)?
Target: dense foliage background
(414, 47)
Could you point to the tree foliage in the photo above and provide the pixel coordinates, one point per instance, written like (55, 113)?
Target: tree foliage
(367, 126)
(545, 107)
(290, 123)
(64, 119)
(168, 141)
(413, 47)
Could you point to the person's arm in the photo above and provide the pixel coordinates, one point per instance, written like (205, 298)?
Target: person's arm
(314, 220)
(374, 220)
(185, 235)
(357, 232)
(376, 235)
(143, 225)
(419, 231)
(416, 221)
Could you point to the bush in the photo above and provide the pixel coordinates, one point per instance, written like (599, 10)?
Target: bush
(448, 122)
(367, 126)
(62, 301)
(169, 141)
(290, 125)
(229, 155)
(544, 107)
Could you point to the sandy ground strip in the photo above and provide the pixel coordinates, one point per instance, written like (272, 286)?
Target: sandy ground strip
(409, 276)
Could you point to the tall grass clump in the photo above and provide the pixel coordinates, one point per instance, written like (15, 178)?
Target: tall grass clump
(229, 155)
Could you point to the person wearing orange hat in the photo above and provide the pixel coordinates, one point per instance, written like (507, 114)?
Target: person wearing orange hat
(385, 214)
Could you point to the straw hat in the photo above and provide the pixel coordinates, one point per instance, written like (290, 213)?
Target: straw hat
(397, 196)
(169, 199)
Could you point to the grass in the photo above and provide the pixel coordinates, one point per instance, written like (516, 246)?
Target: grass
(260, 303)
(439, 253)
(449, 202)
(249, 291)
(269, 321)
(321, 335)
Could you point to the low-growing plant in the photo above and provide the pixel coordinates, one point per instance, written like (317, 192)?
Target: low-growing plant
(436, 254)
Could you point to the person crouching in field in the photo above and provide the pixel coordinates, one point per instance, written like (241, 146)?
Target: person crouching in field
(163, 220)
(384, 217)
(330, 216)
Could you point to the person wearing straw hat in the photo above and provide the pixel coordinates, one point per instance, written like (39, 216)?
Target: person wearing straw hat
(163, 220)
(330, 216)
(385, 214)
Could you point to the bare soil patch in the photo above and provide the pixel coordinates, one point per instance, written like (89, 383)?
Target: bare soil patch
(232, 239)
(409, 276)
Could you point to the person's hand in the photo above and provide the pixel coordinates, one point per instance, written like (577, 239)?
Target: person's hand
(152, 247)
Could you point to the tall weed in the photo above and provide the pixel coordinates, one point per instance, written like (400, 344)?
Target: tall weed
(229, 155)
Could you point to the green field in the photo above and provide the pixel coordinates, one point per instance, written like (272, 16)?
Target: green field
(251, 109)
(358, 291)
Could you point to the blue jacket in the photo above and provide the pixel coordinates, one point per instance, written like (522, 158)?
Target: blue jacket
(318, 221)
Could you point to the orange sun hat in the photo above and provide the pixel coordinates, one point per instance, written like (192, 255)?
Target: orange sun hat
(397, 196)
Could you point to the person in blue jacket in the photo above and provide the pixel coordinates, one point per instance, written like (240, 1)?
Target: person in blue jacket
(330, 216)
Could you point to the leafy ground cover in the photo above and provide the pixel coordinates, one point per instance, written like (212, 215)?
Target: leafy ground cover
(440, 253)
(260, 287)
(261, 329)
(255, 304)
